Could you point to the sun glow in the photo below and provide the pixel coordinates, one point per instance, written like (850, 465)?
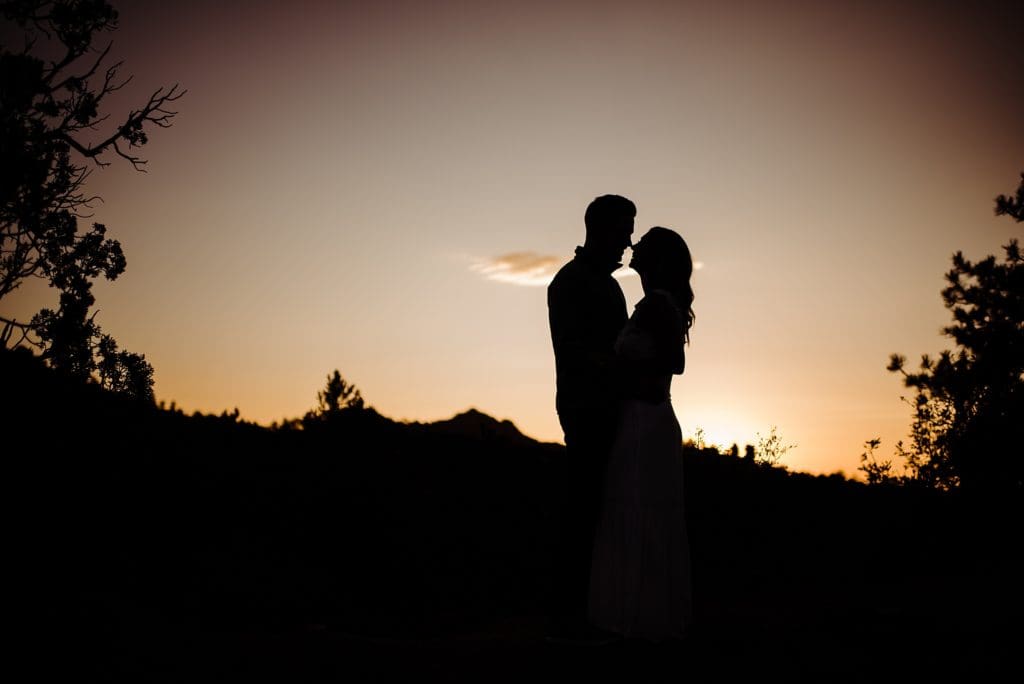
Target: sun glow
(718, 430)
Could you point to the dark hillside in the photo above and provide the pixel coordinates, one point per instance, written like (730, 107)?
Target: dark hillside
(135, 521)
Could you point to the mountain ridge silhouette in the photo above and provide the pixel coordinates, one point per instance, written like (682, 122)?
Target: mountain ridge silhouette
(476, 424)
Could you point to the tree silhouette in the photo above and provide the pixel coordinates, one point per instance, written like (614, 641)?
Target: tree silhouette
(337, 396)
(970, 401)
(49, 108)
(1012, 206)
(124, 372)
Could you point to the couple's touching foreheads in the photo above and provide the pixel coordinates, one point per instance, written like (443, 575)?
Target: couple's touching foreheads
(622, 565)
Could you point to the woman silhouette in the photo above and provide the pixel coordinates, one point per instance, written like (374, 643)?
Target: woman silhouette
(640, 575)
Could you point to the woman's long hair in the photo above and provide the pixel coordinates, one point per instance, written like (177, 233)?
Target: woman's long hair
(674, 270)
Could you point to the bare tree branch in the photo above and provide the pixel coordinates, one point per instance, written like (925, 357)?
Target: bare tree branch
(88, 74)
(25, 330)
(152, 112)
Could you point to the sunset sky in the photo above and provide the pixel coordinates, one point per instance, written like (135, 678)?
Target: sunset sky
(385, 188)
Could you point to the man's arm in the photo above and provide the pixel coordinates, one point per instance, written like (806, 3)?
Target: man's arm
(571, 333)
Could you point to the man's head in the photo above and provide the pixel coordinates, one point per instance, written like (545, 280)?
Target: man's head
(609, 221)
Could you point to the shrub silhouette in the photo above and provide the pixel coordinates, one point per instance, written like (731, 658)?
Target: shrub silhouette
(771, 448)
(875, 471)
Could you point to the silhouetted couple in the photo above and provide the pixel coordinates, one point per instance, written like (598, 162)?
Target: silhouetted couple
(622, 564)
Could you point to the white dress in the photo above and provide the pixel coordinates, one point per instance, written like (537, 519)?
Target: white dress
(640, 574)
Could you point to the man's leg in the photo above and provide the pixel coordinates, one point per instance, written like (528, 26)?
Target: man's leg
(580, 487)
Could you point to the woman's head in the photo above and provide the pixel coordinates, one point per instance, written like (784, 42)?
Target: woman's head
(663, 260)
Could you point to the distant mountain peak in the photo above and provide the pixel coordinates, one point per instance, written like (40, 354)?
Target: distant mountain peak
(477, 424)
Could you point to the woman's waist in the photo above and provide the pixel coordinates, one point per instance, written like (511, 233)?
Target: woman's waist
(648, 399)
(652, 391)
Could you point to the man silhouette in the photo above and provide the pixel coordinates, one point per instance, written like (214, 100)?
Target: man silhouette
(586, 311)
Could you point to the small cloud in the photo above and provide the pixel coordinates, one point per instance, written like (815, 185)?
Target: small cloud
(528, 268)
(519, 268)
(698, 265)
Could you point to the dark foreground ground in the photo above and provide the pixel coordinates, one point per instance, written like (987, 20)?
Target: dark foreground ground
(975, 637)
(144, 545)
(959, 624)
(512, 650)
